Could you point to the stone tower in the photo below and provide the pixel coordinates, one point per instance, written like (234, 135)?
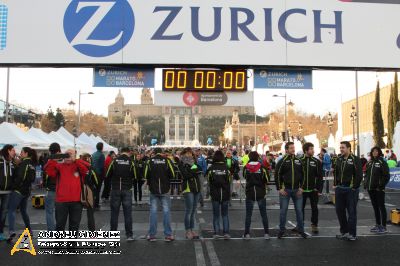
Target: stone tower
(146, 98)
(235, 118)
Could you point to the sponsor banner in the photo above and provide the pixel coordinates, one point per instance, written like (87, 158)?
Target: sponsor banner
(282, 79)
(123, 77)
(301, 33)
(185, 99)
(394, 182)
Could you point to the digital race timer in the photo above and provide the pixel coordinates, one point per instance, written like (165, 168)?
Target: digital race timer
(204, 80)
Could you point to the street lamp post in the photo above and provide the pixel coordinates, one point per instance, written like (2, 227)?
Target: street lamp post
(79, 110)
(353, 119)
(286, 128)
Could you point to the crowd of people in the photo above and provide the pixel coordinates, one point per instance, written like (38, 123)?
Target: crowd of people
(73, 183)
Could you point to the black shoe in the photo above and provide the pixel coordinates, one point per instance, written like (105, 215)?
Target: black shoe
(281, 234)
(304, 235)
(295, 230)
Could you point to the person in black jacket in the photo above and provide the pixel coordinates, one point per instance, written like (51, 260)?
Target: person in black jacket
(312, 182)
(376, 178)
(289, 178)
(256, 184)
(122, 172)
(25, 175)
(347, 180)
(50, 185)
(219, 180)
(191, 189)
(92, 182)
(7, 170)
(158, 173)
(138, 183)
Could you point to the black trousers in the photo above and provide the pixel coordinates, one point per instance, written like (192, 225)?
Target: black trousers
(137, 189)
(313, 196)
(71, 211)
(378, 203)
(90, 219)
(106, 188)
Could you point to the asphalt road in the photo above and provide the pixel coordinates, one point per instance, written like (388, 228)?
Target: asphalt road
(322, 249)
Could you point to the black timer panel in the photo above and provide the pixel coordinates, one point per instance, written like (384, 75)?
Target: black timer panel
(205, 80)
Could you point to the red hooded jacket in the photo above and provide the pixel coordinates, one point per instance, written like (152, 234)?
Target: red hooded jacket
(68, 179)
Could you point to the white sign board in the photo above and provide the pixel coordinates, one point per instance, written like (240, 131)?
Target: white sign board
(190, 99)
(308, 33)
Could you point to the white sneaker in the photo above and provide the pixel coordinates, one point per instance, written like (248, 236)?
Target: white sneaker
(267, 237)
(246, 237)
(130, 239)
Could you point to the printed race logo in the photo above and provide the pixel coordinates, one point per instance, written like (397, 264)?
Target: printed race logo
(99, 28)
(3, 26)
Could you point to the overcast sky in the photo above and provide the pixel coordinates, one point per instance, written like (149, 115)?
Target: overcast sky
(39, 88)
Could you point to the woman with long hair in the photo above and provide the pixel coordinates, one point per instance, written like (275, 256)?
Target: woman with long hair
(191, 189)
(376, 178)
(7, 169)
(25, 174)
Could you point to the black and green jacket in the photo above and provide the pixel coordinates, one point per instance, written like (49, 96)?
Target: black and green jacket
(313, 176)
(219, 180)
(256, 181)
(348, 172)
(377, 175)
(7, 169)
(25, 174)
(158, 172)
(289, 173)
(122, 172)
(190, 175)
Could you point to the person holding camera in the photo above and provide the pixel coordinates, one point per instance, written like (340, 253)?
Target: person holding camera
(69, 175)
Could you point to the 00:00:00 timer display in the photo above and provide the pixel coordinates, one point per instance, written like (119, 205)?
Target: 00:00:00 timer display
(204, 80)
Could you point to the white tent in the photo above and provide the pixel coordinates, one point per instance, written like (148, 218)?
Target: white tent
(38, 133)
(11, 134)
(107, 147)
(82, 146)
(64, 143)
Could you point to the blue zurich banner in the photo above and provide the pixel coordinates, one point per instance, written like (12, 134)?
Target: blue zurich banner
(282, 79)
(394, 182)
(123, 77)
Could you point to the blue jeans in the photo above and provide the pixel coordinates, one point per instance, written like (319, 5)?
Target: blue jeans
(346, 200)
(298, 206)
(3, 210)
(262, 206)
(17, 200)
(123, 197)
(165, 201)
(220, 209)
(191, 201)
(49, 206)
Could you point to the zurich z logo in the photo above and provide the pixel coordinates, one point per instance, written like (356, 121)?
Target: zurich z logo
(99, 28)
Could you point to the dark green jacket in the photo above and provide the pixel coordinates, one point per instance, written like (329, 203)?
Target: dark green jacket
(348, 172)
(377, 175)
(313, 176)
(289, 173)
(25, 174)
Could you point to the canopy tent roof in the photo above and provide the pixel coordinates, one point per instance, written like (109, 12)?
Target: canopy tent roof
(11, 134)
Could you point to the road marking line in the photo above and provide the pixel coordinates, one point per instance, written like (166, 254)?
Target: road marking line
(212, 254)
(291, 223)
(199, 212)
(198, 249)
(313, 236)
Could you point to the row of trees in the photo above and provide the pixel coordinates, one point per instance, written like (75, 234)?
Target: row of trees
(393, 115)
